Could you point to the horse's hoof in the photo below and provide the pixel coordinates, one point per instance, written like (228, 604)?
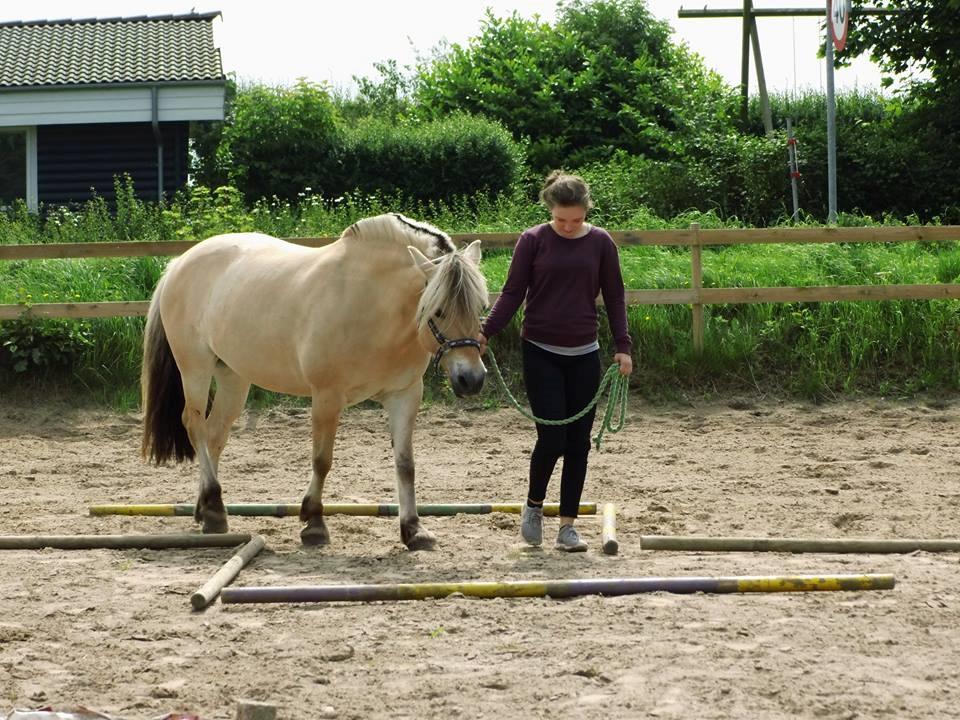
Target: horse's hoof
(214, 525)
(314, 536)
(422, 540)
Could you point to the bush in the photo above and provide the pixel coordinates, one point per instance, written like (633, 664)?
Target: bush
(894, 157)
(198, 213)
(432, 161)
(290, 143)
(628, 182)
(734, 175)
(39, 345)
(282, 141)
(748, 174)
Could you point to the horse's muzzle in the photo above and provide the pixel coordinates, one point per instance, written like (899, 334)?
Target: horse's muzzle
(468, 381)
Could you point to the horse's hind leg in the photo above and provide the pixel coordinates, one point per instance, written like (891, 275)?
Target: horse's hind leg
(325, 416)
(402, 408)
(209, 508)
(228, 403)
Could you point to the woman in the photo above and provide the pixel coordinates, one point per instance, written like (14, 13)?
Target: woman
(558, 268)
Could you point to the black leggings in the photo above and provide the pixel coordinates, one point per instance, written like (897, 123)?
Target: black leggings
(558, 387)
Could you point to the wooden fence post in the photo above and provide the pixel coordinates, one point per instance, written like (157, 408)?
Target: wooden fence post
(696, 284)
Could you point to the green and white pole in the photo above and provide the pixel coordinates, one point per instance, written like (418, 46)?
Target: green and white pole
(364, 509)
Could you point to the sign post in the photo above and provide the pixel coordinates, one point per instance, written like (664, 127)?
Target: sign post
(838, 23)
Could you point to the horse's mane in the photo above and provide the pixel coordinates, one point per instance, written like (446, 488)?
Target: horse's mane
(457, 290)
(430, 240)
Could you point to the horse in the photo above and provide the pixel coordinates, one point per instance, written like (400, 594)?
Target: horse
(360, 318)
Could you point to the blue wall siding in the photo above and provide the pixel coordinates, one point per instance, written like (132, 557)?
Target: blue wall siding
(72, 159)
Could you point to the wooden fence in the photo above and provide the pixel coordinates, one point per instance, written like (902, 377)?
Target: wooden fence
(694, 238)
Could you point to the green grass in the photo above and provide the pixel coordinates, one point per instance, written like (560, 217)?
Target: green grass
(809, 350)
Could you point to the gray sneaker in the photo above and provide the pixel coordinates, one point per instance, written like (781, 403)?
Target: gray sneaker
(531, 524)
(568, 540)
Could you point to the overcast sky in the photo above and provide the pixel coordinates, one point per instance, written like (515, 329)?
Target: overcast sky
(280, 40)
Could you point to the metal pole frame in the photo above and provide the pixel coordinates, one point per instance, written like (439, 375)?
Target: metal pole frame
(831, 129)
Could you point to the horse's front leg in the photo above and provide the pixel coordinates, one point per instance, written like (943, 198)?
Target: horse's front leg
(325, 417)
(402, 409)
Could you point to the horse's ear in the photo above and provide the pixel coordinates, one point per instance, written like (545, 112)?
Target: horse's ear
(472, 252)
(422, 261)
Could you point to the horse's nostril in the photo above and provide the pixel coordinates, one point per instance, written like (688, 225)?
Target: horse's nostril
(468, 383)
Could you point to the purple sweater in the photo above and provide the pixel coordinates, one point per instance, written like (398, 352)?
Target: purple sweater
(560, 279)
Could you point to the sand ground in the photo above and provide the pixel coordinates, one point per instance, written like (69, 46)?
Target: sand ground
(114, 631)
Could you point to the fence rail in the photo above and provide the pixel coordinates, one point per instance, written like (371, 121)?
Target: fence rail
(693, 237)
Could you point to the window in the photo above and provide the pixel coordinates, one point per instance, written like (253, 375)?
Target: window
(13, 167)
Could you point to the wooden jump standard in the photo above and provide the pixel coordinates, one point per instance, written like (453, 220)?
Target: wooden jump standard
(555, 588)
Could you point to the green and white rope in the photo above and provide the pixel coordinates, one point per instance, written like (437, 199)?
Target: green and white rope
(616, 402)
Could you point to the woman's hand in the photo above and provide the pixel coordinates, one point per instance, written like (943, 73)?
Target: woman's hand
(625, 362)
(482, 339)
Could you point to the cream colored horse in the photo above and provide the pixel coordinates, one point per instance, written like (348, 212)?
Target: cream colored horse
(357, 319)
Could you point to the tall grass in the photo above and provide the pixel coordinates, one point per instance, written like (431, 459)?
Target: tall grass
(808, 350)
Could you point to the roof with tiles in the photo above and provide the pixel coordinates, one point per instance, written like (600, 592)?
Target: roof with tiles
(56, 53)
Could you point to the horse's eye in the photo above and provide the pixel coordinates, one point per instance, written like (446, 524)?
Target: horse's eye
(439, 314)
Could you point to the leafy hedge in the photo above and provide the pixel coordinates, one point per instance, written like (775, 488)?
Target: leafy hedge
(291, 143)
(455, 157)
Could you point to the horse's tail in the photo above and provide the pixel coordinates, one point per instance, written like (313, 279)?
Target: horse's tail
(161, 388)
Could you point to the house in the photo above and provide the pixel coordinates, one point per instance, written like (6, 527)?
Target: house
(82, 101)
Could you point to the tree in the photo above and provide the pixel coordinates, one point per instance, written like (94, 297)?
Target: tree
(922, 43)
(921, 39)
(605, 77)
(283, 141)
(388, 98)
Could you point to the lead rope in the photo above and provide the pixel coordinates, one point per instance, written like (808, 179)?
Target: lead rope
(616, 402)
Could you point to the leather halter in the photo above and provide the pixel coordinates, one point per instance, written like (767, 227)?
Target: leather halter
(447, 345)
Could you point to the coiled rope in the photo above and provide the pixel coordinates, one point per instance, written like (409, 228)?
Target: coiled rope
(616, 402)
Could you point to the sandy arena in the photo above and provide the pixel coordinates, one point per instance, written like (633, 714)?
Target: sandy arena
(114, 631)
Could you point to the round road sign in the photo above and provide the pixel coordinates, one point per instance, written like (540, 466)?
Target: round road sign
(838, 20)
